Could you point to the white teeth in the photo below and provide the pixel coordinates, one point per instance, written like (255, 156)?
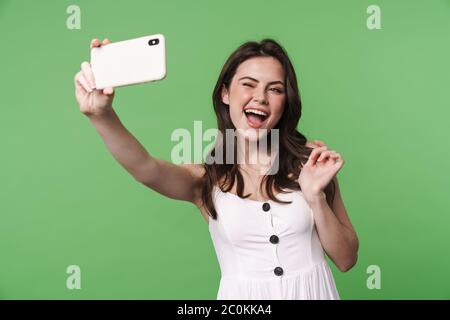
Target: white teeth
(256, 112)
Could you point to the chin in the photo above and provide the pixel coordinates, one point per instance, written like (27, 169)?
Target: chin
(251, 134)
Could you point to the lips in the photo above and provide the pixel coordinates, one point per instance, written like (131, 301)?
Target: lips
(256, 117)
(258, 110)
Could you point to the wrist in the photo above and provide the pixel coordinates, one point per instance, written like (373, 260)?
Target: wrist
(105, 115)
(315, 198)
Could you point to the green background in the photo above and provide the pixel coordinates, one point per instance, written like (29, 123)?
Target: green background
(379, 97)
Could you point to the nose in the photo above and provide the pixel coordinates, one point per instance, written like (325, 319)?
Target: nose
(260, 96)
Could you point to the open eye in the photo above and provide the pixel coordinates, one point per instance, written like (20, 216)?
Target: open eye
(277, 90)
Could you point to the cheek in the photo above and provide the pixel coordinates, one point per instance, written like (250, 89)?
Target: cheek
(235, 116)
(235, 112)
(235, 109)
(238, 101)
(241, 95)
(278, 106)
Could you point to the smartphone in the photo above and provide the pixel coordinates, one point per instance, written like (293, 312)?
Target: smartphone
(129, 62)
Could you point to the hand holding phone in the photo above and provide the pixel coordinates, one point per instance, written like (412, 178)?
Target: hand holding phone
(92, 102)
(127, 62)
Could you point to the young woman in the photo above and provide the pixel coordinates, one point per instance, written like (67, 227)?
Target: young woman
(270, 229)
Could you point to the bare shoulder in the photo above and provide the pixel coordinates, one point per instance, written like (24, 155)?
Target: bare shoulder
(195, 169)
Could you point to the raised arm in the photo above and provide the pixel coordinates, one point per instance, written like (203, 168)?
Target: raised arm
(181, 182)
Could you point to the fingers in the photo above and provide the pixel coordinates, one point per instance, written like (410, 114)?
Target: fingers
(96, 42)
(325, 155)
(314, 155)
(81, 80)
(83, 84)
(339, 160)
(85, 79)
(314, 144)
(78, 85)
(320, 154)
(108, 91)
(319, 143)
(332, 155)
(88, 74)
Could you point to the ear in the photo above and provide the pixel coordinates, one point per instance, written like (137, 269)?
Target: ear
(225, 97)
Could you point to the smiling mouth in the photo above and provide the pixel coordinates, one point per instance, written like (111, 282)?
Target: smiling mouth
(255, 118)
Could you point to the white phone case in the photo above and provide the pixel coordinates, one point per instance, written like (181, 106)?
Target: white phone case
(129, 62)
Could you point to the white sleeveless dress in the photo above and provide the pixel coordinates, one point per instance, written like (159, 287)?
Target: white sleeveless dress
(268, 250)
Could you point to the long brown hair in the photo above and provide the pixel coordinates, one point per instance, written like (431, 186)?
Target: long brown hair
(292, 150)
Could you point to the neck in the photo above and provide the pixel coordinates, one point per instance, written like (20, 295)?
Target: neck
(257, 155)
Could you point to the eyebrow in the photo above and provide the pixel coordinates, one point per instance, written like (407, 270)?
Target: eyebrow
(272, 82)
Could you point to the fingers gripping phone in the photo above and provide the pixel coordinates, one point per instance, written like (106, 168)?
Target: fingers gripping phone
(129, 62)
